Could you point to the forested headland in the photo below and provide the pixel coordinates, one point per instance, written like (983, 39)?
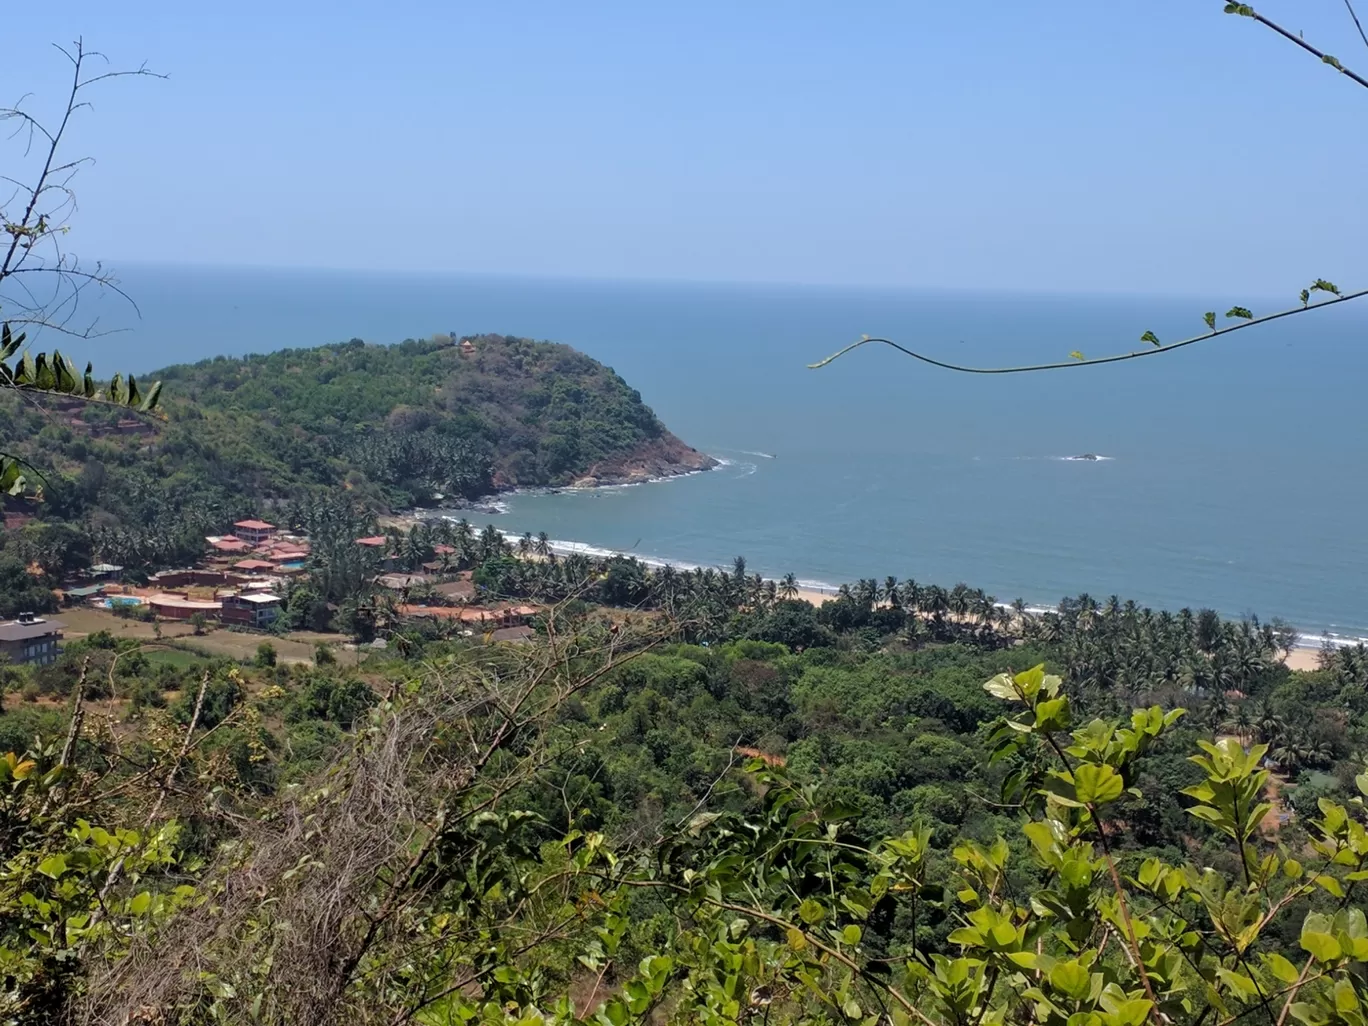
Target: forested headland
(395, 426)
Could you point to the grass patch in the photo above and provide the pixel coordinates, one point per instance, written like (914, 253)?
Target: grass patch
(177, 657)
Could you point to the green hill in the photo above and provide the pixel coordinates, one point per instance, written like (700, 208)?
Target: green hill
(396, 425)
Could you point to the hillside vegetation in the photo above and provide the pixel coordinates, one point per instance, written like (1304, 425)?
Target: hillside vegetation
(396, 425)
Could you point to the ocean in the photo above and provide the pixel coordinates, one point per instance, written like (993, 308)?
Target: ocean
(1236, 474)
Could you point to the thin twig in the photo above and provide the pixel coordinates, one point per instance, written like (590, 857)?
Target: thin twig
(1100, 360)
(167, 781)
(1325, 58)
(1357, 24)
(73, 730)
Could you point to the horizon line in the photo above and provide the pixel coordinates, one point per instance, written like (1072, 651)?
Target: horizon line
(739, 283)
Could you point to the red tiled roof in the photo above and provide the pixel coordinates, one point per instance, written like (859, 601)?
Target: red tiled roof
(231, 545)
(375, 541)
(253, 564)
(255, 525)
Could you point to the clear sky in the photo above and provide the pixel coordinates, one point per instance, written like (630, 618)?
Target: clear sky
(1068, 145)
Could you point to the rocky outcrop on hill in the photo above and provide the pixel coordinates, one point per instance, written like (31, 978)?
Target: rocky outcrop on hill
(665, 456)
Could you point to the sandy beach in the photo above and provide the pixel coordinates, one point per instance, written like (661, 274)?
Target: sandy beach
(1303, 659)
(1299, 659)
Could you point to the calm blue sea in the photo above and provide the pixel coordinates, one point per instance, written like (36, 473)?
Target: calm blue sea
(1235, 479)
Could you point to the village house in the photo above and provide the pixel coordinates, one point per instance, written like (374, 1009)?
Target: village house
(254, 532)
(228, 544)
(251, 609)
(402, 582)
(171, 606)
(30, 639)
(253, 565)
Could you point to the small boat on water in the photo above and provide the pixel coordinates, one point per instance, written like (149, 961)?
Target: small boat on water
(1090, 457)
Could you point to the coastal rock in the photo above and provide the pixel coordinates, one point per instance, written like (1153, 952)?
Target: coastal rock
(665, 456)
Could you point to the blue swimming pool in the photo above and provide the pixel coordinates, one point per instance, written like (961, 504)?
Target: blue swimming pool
(121, 600)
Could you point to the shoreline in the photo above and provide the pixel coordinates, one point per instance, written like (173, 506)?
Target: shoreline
(1305, 656)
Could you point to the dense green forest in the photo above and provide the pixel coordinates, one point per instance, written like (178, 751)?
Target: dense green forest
(396, 426)
(694, 799)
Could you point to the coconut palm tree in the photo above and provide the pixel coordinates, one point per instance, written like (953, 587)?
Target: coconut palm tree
(935, 602)
(1268, 725)
(891, 593)
(1243, 724)
(543, 547)
(911, 595)
(960, 600)
(788, 587)
(915, 633)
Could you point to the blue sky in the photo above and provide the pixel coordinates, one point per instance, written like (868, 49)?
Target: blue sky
(1075, 145)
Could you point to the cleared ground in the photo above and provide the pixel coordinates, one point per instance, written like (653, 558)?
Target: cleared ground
(214, 642)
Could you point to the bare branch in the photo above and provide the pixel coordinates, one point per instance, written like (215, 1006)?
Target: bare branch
(1246, 11)
(1138, 354)
(1357, 24)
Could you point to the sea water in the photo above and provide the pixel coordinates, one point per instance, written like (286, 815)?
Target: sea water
(1236, 474)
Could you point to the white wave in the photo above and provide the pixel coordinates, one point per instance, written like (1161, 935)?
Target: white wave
(750, 452)
(561, 547)
(1334, 640)
(1088, 458)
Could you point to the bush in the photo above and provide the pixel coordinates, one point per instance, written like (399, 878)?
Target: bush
(265, 655)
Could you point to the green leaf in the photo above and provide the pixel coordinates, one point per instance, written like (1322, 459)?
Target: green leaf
(1151, 338)
(1097, 784)
(1071, 979)
(1321, 946)
(1238, 982)
(795, 938)
(140, 903)
(1330, 884)
(1002, 686)
(1346, 1001)
(1244, 10)
(9, 343)
(1333, 62)
(1305, 297)
(811, 912)
(1240, 312)
(53, 866)
(1321, 285)
(851, 934)
(153, 396)
(1076, 355)
(1281, 967)
(1210, 318)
